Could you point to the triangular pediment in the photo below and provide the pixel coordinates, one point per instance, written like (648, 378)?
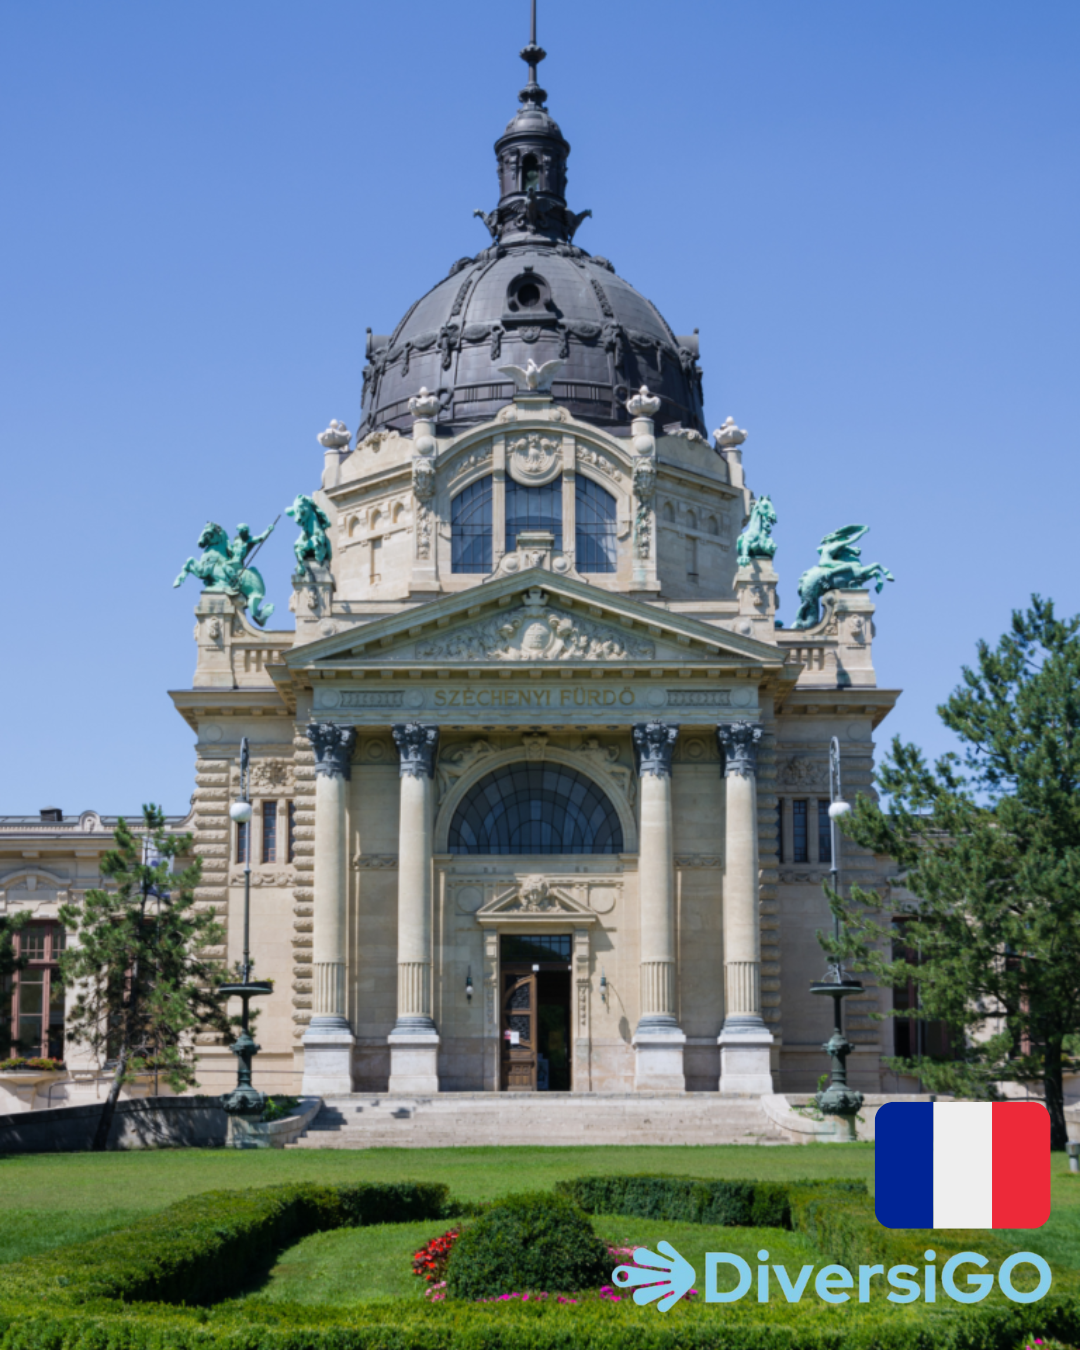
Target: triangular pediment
(531, 899)
(534, 617)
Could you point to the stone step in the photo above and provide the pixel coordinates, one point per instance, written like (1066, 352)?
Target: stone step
(453, 1119)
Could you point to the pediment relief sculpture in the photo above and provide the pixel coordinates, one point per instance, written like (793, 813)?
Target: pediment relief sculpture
(535, 897)
(459, 761)
(536, 632)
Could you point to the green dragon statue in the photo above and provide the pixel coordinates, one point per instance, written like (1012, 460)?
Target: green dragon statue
(222, 568)
(756, 540)
(837, 569)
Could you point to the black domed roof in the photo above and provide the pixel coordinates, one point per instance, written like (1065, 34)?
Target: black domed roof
(532, 294)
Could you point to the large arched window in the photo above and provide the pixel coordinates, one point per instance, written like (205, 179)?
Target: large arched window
(470, 528)
(595, 511)
(533, 508)
(535, 808)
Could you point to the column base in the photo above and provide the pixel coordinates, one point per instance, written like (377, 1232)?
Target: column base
(328, 1052)
(744, 1061)
(658, 1061)
(414, 1061)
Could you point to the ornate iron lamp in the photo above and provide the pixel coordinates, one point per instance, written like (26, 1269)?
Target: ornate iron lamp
(245, 1100)
(837, 1099)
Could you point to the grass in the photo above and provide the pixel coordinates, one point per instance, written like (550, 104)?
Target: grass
(361, 1264)
(49, 1200)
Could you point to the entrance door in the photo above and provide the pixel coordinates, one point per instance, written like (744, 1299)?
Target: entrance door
(535, 1022)
(519, 1031)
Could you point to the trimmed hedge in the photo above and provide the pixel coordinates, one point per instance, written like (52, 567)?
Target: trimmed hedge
(73, 1298)
(733, 1204)
(516, 1326)
(209, 1246)
(527, 1242)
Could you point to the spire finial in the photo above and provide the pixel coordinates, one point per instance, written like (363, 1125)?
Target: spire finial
(532, 55)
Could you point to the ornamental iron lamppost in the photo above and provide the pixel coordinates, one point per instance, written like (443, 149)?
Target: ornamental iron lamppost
(837, 1099)
(244, 1100)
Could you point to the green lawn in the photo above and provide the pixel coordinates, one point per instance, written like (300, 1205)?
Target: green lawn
(50, 1200)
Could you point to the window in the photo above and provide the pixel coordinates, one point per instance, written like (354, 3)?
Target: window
(533, 508)
(914, 1037)
(269, 832)
(32, 1000)
(691, 558)
(595, 529)
(470, 528)
(534, 947)
(824, 833)
(242, 841)
(780, 830)
(292, 833)
(535, 808)
(530, 174)
(800, 844)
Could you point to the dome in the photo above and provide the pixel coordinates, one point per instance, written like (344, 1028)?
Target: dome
(532, 294)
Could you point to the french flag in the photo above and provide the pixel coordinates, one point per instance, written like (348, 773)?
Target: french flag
(962, 1165)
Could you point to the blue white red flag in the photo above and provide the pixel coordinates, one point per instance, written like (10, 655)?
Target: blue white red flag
(962, 1165)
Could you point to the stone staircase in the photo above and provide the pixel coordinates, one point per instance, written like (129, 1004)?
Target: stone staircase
(455, 1119)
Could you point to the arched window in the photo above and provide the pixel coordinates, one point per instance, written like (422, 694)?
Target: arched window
(712, 526)
(533, 508)
(595, 511)
(470, 528)
(530, 174)
(535, 808)
(669, 511)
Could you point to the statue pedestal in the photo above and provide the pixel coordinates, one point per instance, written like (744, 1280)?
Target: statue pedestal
(311, 601)
(755, 590)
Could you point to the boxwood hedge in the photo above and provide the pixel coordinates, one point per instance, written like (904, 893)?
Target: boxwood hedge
(745, 1204)
(99, 1295)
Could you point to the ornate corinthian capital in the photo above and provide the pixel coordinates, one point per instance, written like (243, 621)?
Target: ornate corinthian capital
(333, 746)
(738, 741)
(653, 744)
(416, 745)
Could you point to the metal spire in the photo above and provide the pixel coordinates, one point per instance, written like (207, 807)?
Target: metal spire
(532, 55)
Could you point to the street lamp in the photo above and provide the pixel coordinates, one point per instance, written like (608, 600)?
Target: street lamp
(244, 1100)
(837, 1099)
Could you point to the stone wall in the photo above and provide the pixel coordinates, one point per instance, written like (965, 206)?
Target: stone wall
(152, 1122)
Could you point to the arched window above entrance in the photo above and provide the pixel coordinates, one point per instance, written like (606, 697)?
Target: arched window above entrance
(535, 808)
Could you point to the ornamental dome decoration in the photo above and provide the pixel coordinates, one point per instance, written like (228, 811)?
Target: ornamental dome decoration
(533, 294)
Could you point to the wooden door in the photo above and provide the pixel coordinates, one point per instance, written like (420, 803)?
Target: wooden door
(519, 1031)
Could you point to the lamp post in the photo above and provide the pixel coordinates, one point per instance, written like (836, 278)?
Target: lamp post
(837, 1099)
(244, 1100)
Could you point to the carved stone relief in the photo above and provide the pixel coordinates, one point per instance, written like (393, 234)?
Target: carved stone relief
(797, 772)
(271, 776)
(534, 460)
(535, 632)
(458, 761)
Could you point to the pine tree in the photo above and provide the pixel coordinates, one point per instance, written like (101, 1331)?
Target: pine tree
(989, 844)
(143, 987)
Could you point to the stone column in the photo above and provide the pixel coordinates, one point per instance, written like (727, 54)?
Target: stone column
(658, 1040)
(745, 1042)
(414, 1041)
(328, 1041)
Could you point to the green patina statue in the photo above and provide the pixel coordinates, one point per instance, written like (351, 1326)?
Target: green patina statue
(313, 546)
(756, 540)
(222, 567)
(838, 569)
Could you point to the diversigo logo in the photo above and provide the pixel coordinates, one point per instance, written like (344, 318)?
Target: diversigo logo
(938, 1165)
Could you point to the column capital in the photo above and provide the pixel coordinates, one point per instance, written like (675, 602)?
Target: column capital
(416, 745)
(333, 746)
(738, 741)
(653, 746)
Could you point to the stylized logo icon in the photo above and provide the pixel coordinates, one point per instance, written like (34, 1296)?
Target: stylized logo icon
(676, 1279)
(962, 1165)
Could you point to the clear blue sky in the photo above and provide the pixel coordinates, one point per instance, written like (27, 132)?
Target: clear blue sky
(870, 211)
